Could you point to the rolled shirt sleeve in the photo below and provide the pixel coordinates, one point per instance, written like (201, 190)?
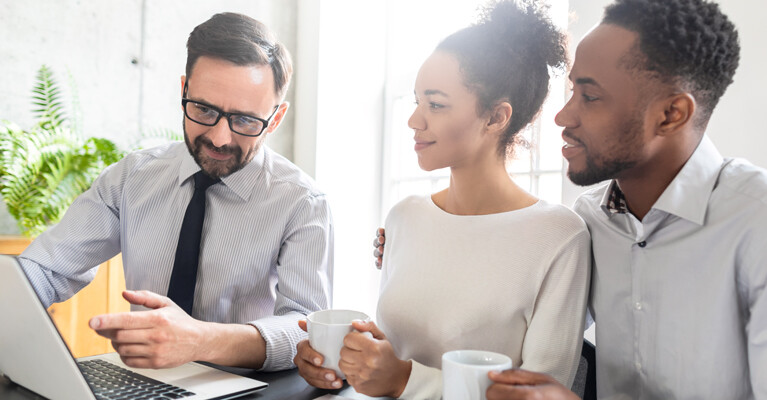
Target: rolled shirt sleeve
(266, 256)
(305, 278)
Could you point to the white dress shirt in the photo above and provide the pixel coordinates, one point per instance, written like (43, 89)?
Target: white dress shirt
(679, 298)
(515, 283)
(266, 254)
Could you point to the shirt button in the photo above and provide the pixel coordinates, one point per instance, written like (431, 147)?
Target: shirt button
(638, 366)
(642, 244)
(638, 305)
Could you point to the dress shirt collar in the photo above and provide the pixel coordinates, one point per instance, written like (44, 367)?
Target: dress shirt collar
(613, 200)
(240, 182)
(688, 194)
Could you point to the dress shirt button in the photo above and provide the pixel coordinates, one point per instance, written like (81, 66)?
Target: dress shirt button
(638, 365)
(642, 244)
(638, 305)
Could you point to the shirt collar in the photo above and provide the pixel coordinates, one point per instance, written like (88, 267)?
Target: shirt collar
(240, 182)
(613, 201)
(688, 193)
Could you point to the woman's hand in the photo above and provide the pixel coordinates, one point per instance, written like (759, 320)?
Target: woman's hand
(378, 244)
(309, 363)
(370, 364)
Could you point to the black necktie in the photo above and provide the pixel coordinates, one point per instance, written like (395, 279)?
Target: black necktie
(184, 276)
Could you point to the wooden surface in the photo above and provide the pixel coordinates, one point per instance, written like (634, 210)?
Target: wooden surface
(102, 295)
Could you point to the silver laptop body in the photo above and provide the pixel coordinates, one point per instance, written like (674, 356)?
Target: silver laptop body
(33, 354)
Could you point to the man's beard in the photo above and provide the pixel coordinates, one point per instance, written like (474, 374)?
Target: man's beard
(621, 157)
(609, 169)
(215, 168)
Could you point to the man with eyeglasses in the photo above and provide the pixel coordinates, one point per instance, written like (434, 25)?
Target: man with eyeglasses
(238, 237)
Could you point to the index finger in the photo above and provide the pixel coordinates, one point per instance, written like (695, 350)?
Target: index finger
(125, 320)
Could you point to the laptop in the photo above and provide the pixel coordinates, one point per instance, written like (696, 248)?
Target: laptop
(33, 355)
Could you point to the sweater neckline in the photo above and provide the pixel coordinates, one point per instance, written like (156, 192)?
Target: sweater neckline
(519, 211)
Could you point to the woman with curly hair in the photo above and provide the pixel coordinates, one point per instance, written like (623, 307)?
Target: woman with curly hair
(482, 264)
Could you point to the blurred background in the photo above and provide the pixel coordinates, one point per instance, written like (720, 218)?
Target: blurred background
(119, 64)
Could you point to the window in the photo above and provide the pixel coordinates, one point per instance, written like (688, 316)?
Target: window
(366, 56)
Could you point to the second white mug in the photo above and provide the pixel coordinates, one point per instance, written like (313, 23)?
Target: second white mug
(464, 373)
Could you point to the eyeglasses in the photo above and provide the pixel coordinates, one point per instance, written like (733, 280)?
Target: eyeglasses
(208, 115)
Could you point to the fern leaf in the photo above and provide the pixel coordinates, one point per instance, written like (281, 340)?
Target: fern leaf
(43, 169)
(46, 95)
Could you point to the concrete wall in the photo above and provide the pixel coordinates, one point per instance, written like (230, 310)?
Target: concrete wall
(125, 56)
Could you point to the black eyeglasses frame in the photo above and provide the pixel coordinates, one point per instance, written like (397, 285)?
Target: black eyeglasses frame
(222, 113)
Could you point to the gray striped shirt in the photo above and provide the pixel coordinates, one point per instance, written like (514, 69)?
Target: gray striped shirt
(266, 255)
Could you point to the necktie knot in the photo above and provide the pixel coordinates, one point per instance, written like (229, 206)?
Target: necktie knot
(202, 181)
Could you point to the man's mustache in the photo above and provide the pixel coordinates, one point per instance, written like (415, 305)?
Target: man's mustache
(203, 141)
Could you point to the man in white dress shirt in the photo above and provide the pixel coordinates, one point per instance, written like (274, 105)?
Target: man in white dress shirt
(679, 233)
(265, 249)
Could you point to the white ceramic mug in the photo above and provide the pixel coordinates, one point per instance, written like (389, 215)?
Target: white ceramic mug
(327, 329)
(464, 373)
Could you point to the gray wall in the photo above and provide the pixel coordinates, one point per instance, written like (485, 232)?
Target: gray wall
(125, 56)
(737, 126)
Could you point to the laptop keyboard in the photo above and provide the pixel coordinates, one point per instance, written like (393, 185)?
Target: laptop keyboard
(111, 382)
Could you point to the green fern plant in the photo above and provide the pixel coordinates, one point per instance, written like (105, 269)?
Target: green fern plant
(44, 168)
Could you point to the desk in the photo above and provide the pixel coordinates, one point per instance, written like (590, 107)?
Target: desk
(282, 385)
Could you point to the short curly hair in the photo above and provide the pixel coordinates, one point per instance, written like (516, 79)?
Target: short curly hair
(686, 42)
(507, 56)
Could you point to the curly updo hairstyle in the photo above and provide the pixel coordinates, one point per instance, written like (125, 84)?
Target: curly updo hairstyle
(506, 56)
(686, 42)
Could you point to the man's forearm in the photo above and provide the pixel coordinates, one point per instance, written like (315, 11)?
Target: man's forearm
(237, 345)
